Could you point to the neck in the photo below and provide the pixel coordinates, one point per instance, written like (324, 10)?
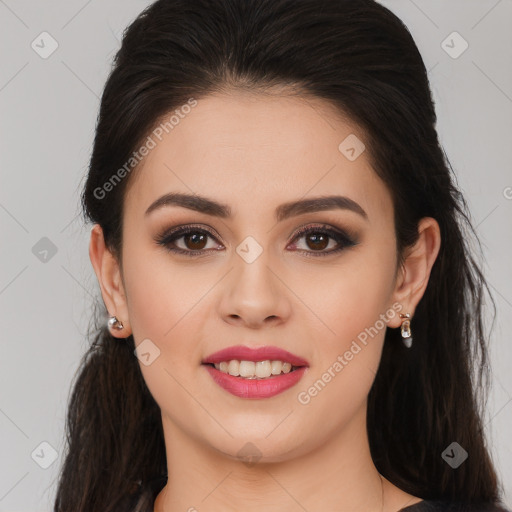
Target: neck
(338, 475)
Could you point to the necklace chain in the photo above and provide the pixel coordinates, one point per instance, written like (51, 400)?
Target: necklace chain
(382, 493)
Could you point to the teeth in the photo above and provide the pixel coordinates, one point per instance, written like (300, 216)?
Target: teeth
(254, 370)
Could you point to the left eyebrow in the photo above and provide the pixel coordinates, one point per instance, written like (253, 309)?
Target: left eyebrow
(284, 211)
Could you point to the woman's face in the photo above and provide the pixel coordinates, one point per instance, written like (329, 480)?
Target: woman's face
(255, 282)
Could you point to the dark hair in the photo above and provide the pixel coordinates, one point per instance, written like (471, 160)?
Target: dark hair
(360, 57)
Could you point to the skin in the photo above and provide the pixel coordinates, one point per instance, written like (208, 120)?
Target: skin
(255, 152)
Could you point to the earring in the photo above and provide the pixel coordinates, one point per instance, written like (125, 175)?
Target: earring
(406, 330)
(114, 323)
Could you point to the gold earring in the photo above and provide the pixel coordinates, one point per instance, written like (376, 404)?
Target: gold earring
(405, 329)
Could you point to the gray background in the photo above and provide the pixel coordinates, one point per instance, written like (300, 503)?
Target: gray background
(48, 112)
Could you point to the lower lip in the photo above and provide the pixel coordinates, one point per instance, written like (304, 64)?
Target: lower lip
(256, 388)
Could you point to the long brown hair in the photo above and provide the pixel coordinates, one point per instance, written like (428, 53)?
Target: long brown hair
(360, 57)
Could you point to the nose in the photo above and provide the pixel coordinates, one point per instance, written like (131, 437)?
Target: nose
(254, 295)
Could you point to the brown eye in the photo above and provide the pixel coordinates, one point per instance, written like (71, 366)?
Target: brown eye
(318, 238)
(317, 241)
(195, 241)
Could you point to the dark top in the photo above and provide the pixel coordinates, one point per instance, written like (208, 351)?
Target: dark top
(449, 506)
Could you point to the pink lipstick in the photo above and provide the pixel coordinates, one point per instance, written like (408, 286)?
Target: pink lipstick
(255, 388)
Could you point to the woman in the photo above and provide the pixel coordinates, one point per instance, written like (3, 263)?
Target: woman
(294, 314)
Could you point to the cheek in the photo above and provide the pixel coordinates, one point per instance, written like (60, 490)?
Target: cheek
(349, 343)
(352, 297)
(350, 302)
(161, 297)
(163, 306)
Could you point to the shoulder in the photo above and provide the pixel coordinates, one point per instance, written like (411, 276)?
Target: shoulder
(450, 506)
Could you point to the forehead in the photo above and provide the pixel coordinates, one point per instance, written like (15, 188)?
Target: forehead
(245, 149)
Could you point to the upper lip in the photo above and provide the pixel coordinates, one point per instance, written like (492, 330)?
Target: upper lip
(244, 353)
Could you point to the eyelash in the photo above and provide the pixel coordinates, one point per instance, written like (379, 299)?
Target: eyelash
(343, 239)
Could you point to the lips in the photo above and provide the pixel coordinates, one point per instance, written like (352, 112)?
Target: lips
(243, 353)
(256, 389)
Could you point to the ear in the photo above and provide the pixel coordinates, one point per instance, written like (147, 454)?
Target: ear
(414, 274)
(109, 277)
